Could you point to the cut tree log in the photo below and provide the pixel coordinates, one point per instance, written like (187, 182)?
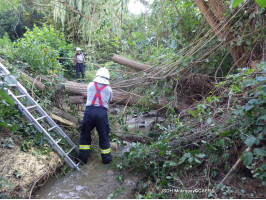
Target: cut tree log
(119, 96)
(79, 99)
(37, 84)
(65, 115)
(64, 121)
(130, 63)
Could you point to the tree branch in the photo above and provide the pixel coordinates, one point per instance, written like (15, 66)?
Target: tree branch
(87, 17)
(181, 21)
(209, 16)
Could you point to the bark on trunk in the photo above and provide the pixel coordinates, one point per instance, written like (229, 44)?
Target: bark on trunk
(77, 99)
(65, 115)
(37, 84)
(119, 96)
(62, 120)
(223, 31)
(130, 63)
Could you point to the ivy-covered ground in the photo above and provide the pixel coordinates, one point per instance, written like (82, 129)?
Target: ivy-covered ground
(197, 151)
(26, 158)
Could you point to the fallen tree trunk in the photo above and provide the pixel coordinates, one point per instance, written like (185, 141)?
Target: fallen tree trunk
(77, 99)
(37, 84)
(65, 115)
(130, 63)
(62, 120)
(119, 96)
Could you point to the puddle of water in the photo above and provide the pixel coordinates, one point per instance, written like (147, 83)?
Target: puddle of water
(95, 180)
(140, 125)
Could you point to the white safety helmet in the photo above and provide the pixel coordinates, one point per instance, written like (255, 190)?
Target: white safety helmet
(78, 49)
(102, 76)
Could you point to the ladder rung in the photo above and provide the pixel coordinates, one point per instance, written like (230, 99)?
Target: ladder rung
(31, 107)
(52, 128)
(25, 110)
(12, 85)
(58, 141)
(19, 96)
(41, 117)
(70, 150)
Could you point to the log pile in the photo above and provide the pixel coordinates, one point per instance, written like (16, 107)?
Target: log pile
(79, 92)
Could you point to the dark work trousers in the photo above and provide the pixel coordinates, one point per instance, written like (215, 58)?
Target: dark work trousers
(80, 68)
(95, 116)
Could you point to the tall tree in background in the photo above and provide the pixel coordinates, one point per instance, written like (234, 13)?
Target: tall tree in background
(216, 14)
(16, 15)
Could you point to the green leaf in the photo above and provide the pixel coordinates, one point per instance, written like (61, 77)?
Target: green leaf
(248, 107)
(261, 3)
(6, 97)
(209, 120)
(262, 117)
(190, 159)
(201, 155)
(263, 167)
(248, 158)
(182, 160)
(250, 141)
(235, 3)
(196, 160)
(4, 124)
(172, 164)
(252, 101)
(260, 151)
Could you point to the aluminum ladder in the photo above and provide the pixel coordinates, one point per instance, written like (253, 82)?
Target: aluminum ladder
(44, 117)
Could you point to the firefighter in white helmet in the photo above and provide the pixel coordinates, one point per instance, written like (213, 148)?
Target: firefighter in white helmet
(79, 63)
(99, 94)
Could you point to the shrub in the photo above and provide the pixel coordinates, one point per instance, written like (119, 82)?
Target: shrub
(42, 47)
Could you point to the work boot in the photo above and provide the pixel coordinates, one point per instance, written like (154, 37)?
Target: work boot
(106, 158)
(83, 158)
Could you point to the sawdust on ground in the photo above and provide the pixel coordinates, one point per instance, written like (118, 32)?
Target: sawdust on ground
(21, 171)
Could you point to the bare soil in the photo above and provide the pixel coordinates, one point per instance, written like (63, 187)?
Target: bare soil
(191, 89)
(22, 171)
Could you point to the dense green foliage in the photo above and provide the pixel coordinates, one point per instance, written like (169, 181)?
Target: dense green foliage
(41, 48)
(16, 15)
(165, 163)
(40, 37)
(7, 109)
